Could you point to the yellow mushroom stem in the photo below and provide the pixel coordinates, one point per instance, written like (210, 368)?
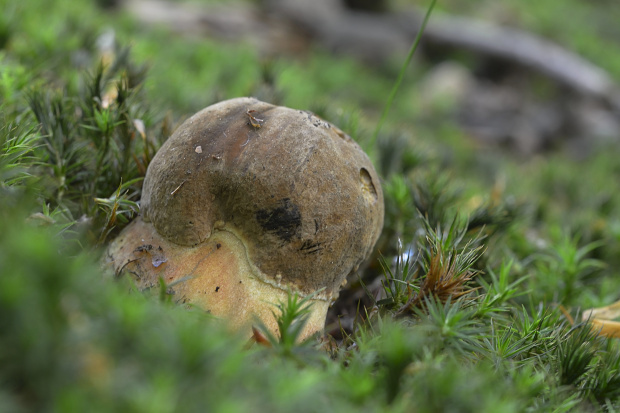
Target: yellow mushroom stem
(605, 327)
(215, 274)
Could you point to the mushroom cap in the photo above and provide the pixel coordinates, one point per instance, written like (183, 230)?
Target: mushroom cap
(301, 195)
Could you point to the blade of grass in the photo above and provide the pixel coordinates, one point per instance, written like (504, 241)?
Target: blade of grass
(401, 75)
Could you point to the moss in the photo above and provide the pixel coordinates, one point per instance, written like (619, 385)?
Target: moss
(70, 168)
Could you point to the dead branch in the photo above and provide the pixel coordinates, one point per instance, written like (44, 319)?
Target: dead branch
(377, 36)
(281, 25)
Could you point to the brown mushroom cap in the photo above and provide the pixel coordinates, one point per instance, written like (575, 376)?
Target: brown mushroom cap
(300, 197)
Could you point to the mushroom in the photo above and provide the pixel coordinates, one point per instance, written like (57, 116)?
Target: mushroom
(246, 201)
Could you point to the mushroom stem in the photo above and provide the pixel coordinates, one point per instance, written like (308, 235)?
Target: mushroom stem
(216, 275)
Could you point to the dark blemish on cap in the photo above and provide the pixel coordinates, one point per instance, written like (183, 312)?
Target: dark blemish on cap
(283, 220)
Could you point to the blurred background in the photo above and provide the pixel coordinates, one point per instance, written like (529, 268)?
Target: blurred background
(526, 76)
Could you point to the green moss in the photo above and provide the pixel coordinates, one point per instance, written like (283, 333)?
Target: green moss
(531, 234)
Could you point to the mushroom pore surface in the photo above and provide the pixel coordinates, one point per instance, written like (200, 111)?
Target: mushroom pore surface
(301, 196)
